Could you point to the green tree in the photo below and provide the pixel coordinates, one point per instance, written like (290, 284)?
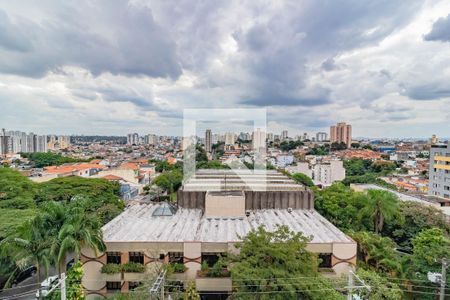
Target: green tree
(44, 159)
(340, 205)
(79, 230)
(380, 206)
(381, 288)
(416, 217)
(270, 264)
(191, 292)
(169, 180)
(378, 252)
(303, 179)
(29, 245)
(16, 191)
(429, 247)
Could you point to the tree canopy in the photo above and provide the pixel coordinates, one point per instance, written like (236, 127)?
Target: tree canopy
(276, 265)
(43, 159)
(303, 179)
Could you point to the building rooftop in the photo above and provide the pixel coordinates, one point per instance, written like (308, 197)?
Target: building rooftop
(207, 180)
(138, 224)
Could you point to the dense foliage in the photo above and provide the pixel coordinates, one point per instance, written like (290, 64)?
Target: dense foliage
(43, 159)
(276, 265)
(302, 179)
(290, 145)
(61, 216)
(411, 239)
(365, 171)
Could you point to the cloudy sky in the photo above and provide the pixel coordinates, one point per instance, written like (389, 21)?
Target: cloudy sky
(112, 67)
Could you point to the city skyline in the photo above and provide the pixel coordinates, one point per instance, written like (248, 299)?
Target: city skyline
(138, 64)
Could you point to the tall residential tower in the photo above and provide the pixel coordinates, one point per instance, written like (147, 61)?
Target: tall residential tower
(341, 133)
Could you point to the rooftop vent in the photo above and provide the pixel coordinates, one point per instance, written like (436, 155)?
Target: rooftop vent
(289, 209)
(247, 213)
(164, 209)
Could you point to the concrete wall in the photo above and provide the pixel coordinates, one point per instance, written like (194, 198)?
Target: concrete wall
(255, 199)
(224, 205)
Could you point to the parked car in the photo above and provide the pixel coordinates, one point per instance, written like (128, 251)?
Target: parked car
(46, 285)
(24, 274)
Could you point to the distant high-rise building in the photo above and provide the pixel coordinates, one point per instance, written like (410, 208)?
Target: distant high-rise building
(5, 143)
(30, 143)
(229, 138)
(321, 136)
(133, 139)
(284, 135)
(305, 136)
(151, 139)
(270, 137)
(439, 177)
(41, 143)
(208, 141)
(245, 136)
(341, 133)
(259, 139)
(434, 139)
(64, 141)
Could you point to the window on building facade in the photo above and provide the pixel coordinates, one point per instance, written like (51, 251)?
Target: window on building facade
(113, 286)
(211, 257)
(176, 257)
(325, 260)
(113, 257)
(137, 257)
(133, 284)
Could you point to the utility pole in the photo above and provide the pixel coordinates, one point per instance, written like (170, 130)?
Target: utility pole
(157, 290)
(63, 286)
(350, 285)
(445, 265)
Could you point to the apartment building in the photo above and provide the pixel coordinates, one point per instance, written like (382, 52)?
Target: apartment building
(323, 173)
(439, 176)
(214, 209)
(341, 133)
(208, 141)
(321, 136)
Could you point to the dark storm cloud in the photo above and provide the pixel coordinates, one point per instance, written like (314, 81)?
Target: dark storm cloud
(104, 36)
(9, 38)
(278, 50)
(429, 91)
(440, 30)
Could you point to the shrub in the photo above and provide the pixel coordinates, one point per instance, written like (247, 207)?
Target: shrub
(111, 268)
(130, 267)
(133, 267)
(178, 267)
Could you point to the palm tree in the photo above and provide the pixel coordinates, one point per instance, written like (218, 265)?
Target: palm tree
(29, 245)
(380, 206)
(54, 215)
(79, 230)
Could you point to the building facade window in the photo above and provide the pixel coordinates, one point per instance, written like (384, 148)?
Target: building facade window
(133, 285)
(176, 257)
(113, 257)
(325, 260)
(136, 257)
(211, 257)
(113, 286)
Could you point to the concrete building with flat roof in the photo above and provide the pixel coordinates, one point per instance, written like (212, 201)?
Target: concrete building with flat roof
(215, 209)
